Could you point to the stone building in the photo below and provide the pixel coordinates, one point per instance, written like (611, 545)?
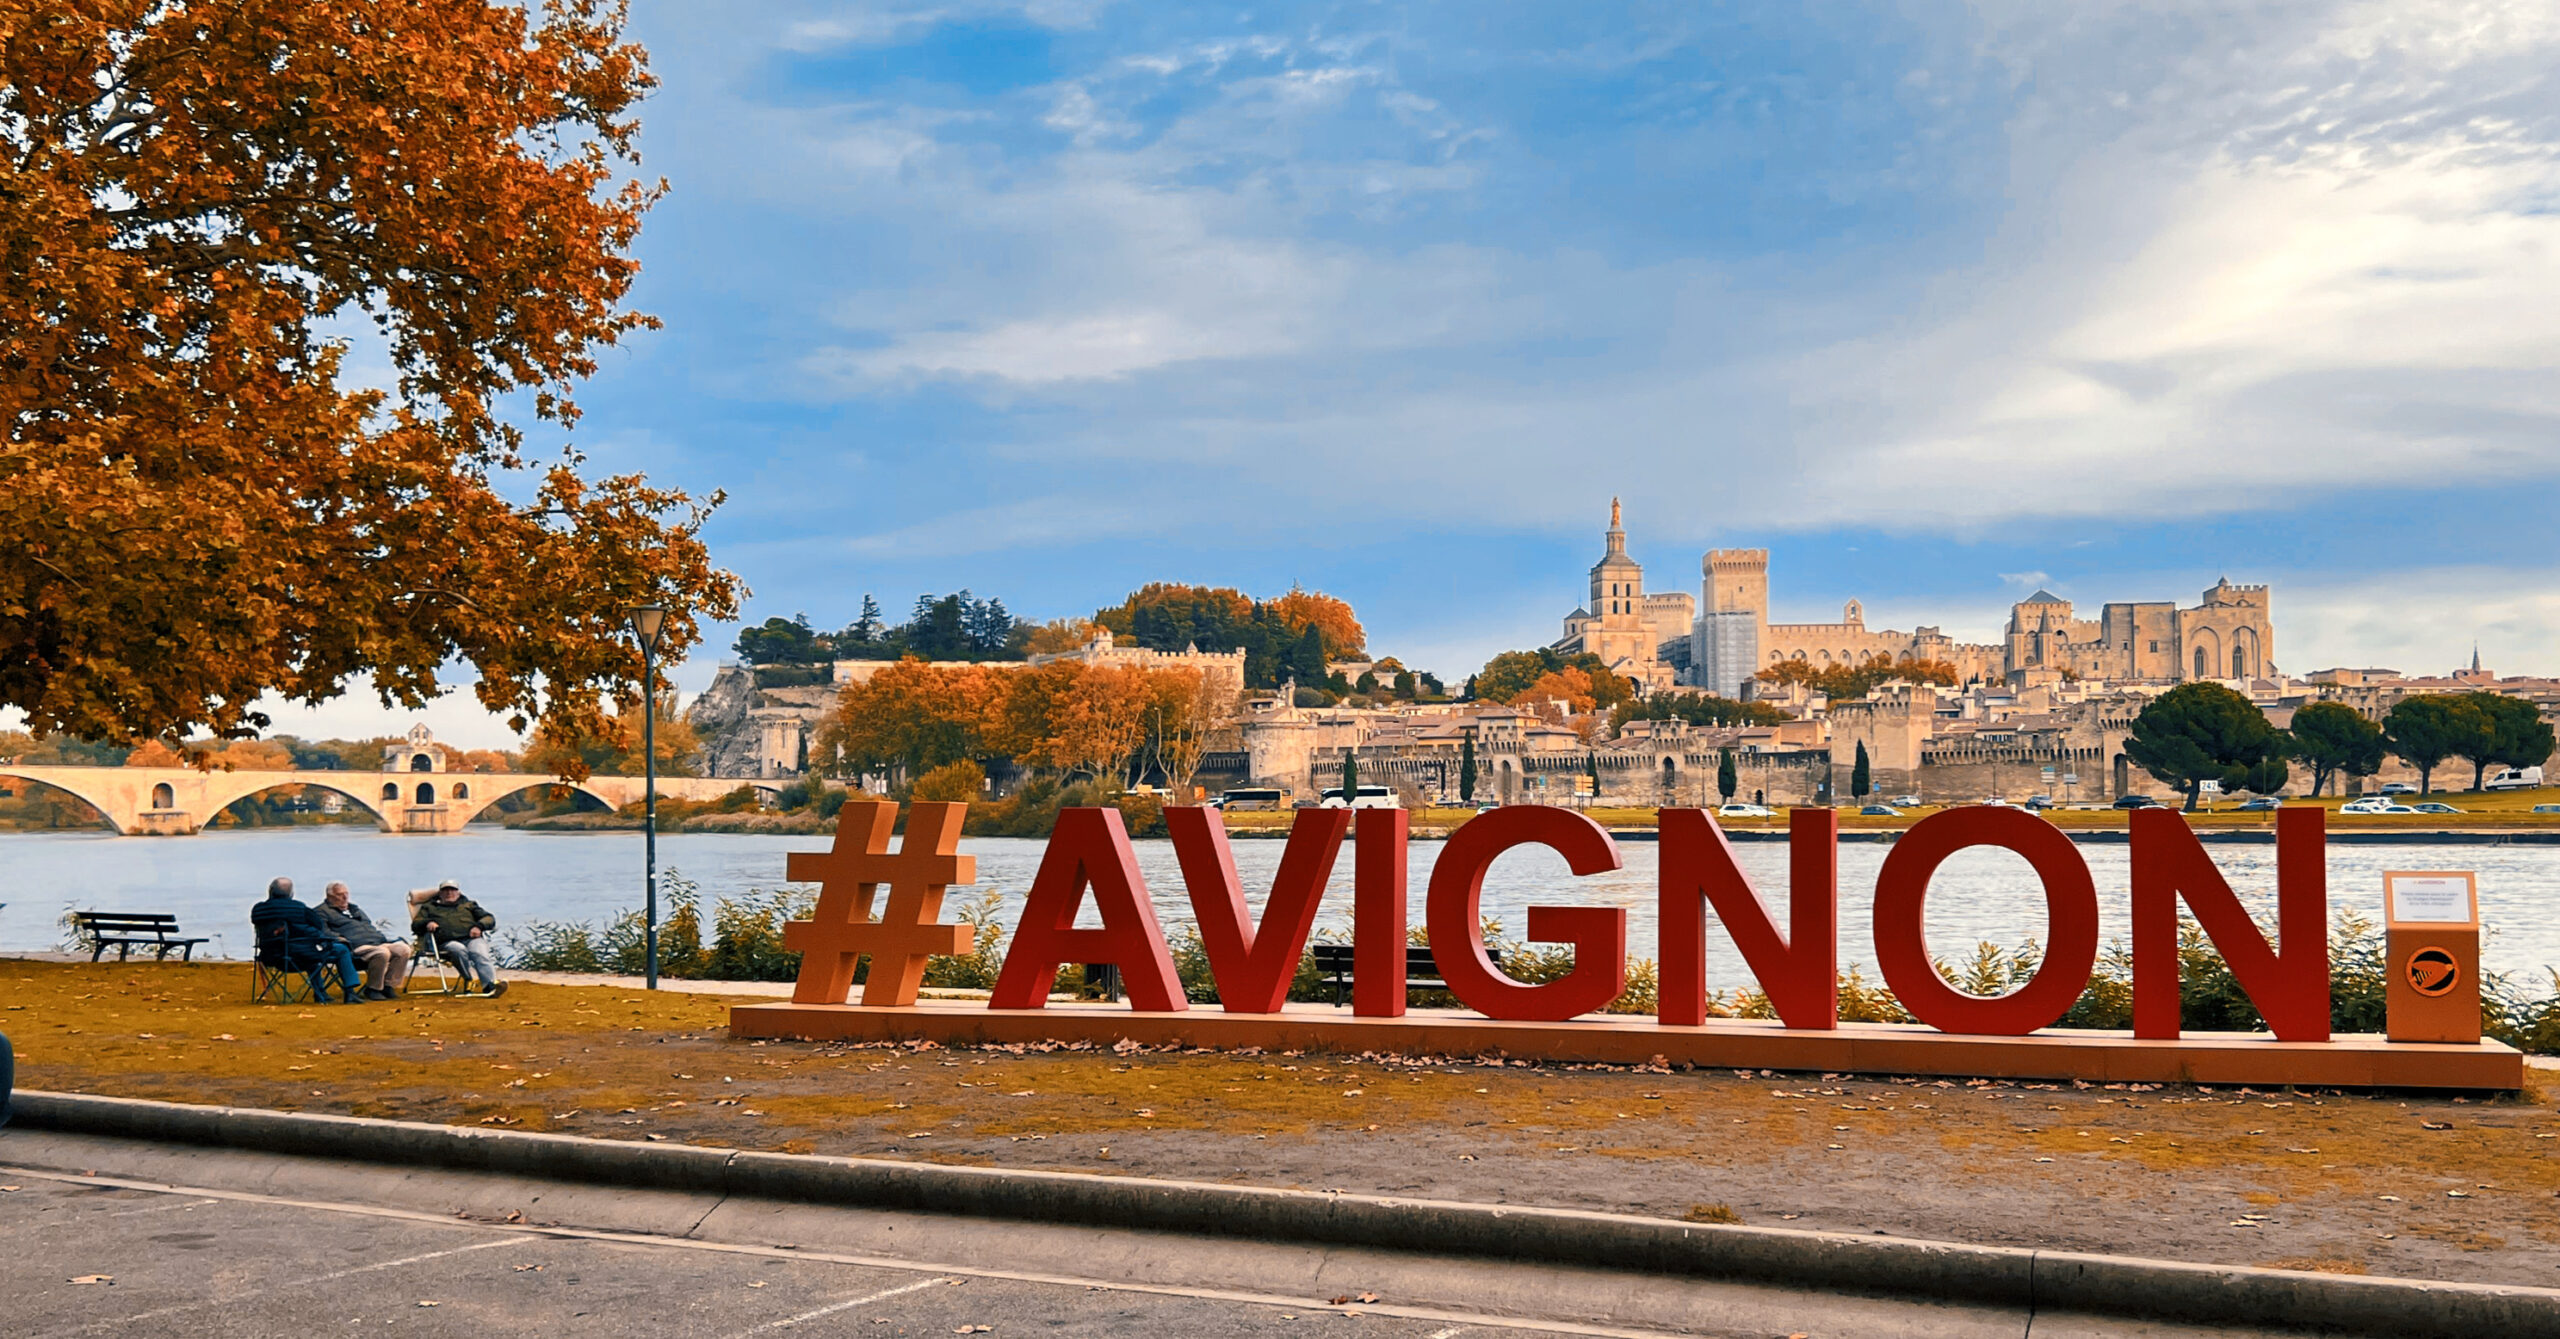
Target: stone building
(1637, 635)
(2228, 634)
(1225, 667)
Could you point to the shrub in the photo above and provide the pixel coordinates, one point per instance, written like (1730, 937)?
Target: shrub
(959, 782)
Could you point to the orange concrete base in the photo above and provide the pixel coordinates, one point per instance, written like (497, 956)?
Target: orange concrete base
(2359, 1061)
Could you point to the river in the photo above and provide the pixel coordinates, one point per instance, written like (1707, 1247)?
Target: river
(210, 879)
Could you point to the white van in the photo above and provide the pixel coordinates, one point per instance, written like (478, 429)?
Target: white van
(1369, 797)
(2513, 778)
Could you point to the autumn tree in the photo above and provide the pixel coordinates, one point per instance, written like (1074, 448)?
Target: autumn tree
(613, 745)
(198, 508)
(1343, 637)
(911, 716)
(1187, 711)
(1851, 680)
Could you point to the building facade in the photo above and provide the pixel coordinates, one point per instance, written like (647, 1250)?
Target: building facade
(2228, 634)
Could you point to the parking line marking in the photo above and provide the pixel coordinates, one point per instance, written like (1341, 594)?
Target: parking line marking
(833, 1308)
(1468, 1321)
(114, 1322)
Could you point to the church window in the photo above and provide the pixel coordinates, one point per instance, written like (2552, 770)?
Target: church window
(2204, 667)
(2239, 662)
(426, 793)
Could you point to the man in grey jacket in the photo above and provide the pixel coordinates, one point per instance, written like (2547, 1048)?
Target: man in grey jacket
(385, 960)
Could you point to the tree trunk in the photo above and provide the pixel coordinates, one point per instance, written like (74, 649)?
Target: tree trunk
(2195, 789)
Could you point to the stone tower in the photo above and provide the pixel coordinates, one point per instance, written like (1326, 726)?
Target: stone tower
(1733, 619)
(1617, 631)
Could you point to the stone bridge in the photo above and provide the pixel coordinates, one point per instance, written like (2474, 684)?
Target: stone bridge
(179, 801)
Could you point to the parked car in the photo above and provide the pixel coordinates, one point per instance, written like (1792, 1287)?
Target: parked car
(2513, 778)
(1745, 811)
(1998, 802)
(2133, 802)
(2435, 807)
(2040, 802)
(1879, 811)
(2374, 804)
(2399, 788)
(2258, 804)
(2547, 808)
(1904, 802)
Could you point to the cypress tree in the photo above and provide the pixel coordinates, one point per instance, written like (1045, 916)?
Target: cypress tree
(1727, 779)
(1467, 769)
(1859, 777)
(1350, 779)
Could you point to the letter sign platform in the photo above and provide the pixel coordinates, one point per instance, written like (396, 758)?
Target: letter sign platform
(2431, 987)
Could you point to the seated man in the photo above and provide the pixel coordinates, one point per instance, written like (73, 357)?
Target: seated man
(386, 960)
(461, 928)
(295, 938)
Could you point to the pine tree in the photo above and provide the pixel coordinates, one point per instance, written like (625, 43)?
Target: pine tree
(1860, 779)
(1727, 779)
(1467, 768)
(868, 628)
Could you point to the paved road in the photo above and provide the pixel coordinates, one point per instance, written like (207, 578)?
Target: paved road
(200, 1265)
(104, 1236)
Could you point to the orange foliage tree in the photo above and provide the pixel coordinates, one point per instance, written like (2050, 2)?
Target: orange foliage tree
(197, 509)
(1846, 681)
(1330, 617)
(911, 715)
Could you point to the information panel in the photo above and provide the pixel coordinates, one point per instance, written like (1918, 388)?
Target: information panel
(2431, 897)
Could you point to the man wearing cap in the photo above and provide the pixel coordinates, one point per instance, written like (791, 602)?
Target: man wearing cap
(461, 928)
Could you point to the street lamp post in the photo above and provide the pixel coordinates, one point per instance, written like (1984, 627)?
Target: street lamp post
(646, 620)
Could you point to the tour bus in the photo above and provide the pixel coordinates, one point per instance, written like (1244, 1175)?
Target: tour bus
(1253, 797)
(1369, 797)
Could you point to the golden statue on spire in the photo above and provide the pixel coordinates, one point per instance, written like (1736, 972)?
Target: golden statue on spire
(1613, 515)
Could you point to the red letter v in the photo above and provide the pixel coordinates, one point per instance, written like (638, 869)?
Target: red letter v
(1253, 970)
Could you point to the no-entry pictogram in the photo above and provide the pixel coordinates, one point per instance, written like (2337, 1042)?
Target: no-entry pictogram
(2433, 971)
(907, 932)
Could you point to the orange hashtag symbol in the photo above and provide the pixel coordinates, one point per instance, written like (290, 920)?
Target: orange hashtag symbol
(907, 933)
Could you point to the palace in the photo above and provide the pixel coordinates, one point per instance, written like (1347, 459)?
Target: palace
(1656, 639)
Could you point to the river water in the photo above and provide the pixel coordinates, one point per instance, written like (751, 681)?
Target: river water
(211, 879)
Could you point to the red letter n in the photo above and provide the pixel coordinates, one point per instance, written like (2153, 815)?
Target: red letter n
(1253, 969)
(2291, 986)
(1799, 971)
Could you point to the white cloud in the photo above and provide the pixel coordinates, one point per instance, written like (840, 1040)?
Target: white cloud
(2424, 621)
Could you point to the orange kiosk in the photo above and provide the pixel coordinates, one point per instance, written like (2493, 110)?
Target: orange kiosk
(2432, 957)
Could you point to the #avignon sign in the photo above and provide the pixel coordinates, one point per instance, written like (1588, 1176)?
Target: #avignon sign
(2006, 1036)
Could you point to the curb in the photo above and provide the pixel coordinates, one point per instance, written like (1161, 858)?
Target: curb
(2123, 1287)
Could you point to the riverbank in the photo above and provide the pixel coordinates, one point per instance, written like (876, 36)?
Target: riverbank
(2430, 1187)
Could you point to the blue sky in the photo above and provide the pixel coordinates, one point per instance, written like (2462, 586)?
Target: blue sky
(1938, 302)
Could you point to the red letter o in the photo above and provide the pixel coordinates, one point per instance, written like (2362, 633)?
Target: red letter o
(2071, 908)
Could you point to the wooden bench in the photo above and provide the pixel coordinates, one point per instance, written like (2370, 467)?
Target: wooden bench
(126, 931)
(1334, 963)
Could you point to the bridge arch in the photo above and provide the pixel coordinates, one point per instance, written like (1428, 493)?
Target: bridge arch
(225, 789)
(95, 800)
(470, 801)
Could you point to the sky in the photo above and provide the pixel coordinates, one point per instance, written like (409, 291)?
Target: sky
(1938, 302)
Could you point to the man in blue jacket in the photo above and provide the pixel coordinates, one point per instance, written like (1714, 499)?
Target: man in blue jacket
(291, 933)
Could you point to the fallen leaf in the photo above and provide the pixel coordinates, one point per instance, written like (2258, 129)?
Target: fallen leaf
(430, 1304)
(2435, 1125)
(972, 1329)
(756, 1285)
(95, 1278)
(528, 1269)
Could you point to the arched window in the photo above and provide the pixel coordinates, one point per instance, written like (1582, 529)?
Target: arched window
(162, 797)
(461, 792)
(391, 790)
(2239, 662)
(2204, 667)
(422, 762)
(426, 793)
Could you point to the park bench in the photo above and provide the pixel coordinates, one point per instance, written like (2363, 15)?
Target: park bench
(1334, 963)
(126, 931)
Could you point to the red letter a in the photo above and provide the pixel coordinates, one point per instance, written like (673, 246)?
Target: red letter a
(1799, 971)
(2291, 986)
(1253, 970)
(1089, 848)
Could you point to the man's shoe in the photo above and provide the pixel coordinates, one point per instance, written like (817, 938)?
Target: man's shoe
(497, 990)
